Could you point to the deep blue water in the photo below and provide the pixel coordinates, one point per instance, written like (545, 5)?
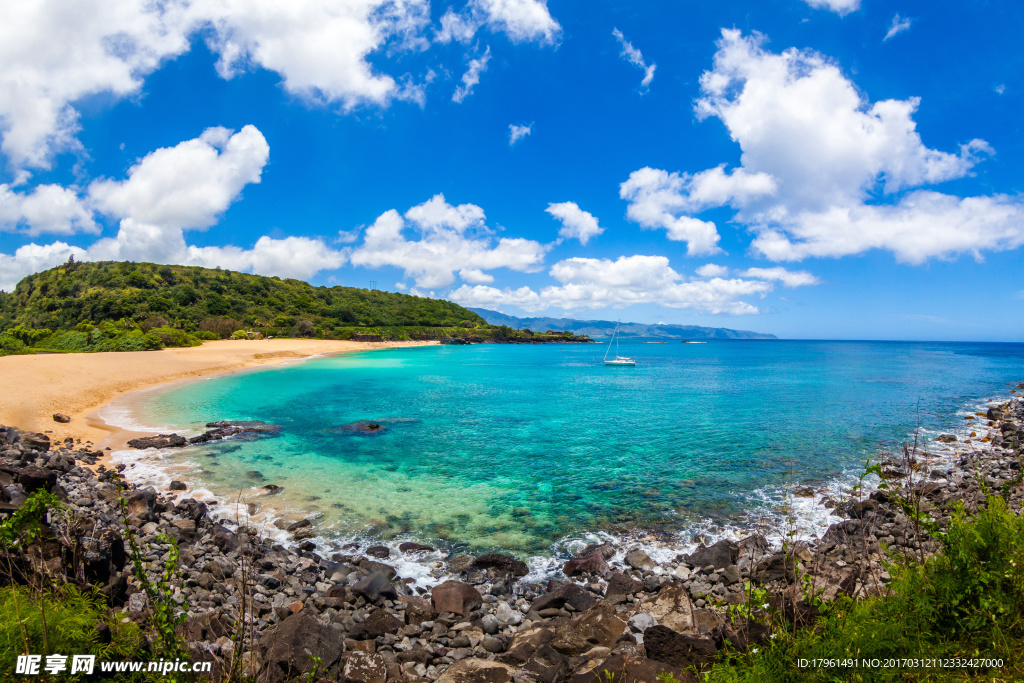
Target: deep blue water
(516, 447)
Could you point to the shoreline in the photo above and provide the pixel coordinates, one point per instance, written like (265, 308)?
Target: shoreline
(80, 385)
(613, 607)
(809, 513)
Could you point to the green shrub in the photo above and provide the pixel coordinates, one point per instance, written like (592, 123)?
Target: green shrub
(967, 601)
(170, 336)
(71, 618)
(10, 345)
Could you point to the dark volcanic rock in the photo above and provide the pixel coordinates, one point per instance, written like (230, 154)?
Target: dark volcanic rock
(477, 671)
(566, 592)
(599, 626)
(376, 587)
(455, 597)
(629, 669)
(36, 441)
(159, 441)
(376, 625)
(177, 486)
(498, 564)
(417, 610)
(363, 427)
(381, 552)
(721, 555)
(226, 428)
(61, 417)
(620, 587)
(548, 664)
(409, 547)
(593, 563)
(665, 645)
(33, 478)
(290, 649)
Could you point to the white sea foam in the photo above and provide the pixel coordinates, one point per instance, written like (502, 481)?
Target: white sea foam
(774, 513)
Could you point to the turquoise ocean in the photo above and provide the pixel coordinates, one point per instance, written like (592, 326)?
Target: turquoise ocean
(530, 448)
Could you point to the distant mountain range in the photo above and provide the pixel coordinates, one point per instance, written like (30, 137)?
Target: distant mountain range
(604, 328)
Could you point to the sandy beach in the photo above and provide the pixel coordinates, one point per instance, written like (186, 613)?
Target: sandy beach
(79, 384)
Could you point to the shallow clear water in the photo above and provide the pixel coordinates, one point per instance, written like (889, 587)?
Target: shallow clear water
(519, 447)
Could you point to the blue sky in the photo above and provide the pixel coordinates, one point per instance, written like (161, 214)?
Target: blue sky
(810, 168)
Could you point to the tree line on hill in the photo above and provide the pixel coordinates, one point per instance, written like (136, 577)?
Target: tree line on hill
(126, 306)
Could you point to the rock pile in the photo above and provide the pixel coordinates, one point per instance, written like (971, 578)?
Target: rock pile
(363, 623)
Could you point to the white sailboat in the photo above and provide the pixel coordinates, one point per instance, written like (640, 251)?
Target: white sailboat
(618, 360)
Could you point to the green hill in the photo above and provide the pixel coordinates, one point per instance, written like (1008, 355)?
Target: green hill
(110, 306)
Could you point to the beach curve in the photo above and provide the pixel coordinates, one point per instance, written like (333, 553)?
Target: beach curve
(80, 384)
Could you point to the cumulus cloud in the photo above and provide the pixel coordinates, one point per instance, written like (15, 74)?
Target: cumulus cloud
(922, 225)
(175, 189)
(188, 185)
(840, 7)
(53, 54)
(520, 20)
(824, 172)
(576, 223)
(517, 133)
(47, 209)
(297, 257)
(898, 25)
(320, 48)
(634, 57)
(603, 283)
(472, 76)
(451, 239)
(659, 199)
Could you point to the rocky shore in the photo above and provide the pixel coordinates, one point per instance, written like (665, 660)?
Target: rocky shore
(281, 611)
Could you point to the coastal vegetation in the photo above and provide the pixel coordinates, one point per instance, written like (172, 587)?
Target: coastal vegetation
(958, 614)
(126, 306)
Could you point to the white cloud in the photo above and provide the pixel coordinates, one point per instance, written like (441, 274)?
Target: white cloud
(174, 189)
(520, 20)
(841, 7)
(658, 199)
(789, 278)
(634, 57)
(188, 185)
(712, 270)
(49, 209)
(922, 225)
(576, 223)
(53, 54)
(603, 283)
(517, 133)
(899, 25)
(296, 257)
(472, 76)
(458, 27)
(1000, 89)
(824, 171)
(451, 239)
(318, 47)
